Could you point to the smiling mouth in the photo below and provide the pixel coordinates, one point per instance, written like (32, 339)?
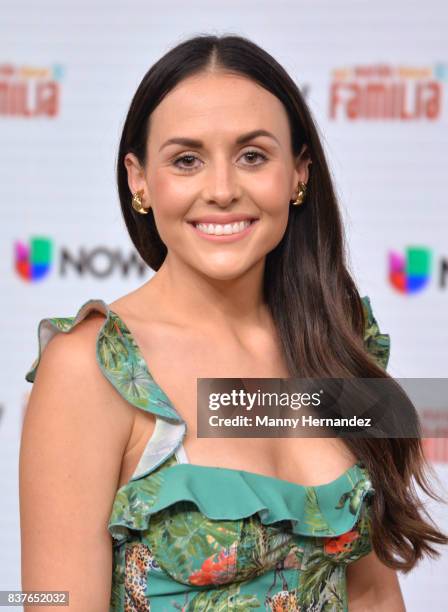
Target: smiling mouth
(227, 229)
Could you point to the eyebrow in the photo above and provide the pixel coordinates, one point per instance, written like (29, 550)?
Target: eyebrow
(190, 142)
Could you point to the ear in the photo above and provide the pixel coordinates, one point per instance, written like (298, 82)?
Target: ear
(302, 163)
(136, 175)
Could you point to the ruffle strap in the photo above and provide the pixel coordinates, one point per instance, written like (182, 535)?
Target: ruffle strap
(118, 357)
(376, 343)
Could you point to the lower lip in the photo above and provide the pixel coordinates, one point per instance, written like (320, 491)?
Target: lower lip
(225, 237)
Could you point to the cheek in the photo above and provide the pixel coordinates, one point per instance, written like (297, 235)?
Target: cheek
(164, 189)
(271, 191)
(172, 200)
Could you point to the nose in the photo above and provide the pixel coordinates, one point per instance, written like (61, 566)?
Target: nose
(221, 184)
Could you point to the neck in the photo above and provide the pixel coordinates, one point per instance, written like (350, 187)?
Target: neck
(195, 299)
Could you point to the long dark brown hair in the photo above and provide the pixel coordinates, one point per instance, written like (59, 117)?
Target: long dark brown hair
(322, 328)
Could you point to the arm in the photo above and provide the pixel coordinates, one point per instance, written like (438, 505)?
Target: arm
(73, 439)
(373, 586)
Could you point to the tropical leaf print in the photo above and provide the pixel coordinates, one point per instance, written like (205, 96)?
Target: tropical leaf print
(132, 381)
(293, 559)
(118, 578)
(320, 581)
(111, 347)
(62, 323)
(262, 547)
(376, 343)
(355, 495)
(177, 539)
(124, 365)
(313, 517)
(129, 375)
(133, 502)
(354, 544)
(223, 600)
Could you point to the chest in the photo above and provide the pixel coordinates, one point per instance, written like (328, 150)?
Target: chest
(178, 363)
(176, 360)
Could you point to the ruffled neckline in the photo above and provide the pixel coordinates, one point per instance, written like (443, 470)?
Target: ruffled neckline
(226, 494)
(187, 467)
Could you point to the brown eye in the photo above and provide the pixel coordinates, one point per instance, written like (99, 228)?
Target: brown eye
(253, 155)
(183, 159)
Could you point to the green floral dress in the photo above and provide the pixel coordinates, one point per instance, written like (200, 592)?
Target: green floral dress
(195, 538)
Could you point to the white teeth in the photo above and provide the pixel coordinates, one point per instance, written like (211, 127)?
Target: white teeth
(218, 229)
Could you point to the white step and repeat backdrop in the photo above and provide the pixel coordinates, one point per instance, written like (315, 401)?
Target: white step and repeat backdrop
(375, 75)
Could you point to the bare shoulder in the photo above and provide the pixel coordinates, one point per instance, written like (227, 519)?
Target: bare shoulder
(74, 435)
(69, 366)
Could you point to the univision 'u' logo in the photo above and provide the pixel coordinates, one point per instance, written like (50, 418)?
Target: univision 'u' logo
(33, 262)
(410, 272)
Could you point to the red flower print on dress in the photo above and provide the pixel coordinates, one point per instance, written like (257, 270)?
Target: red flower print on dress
(220, 568)
(333, 546)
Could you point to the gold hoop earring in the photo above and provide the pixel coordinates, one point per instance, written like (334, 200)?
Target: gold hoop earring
(301, 193)
(137, 203)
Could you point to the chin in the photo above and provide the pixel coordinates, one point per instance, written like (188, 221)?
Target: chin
(225, 272)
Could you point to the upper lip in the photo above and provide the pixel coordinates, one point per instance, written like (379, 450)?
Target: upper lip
(223, 219)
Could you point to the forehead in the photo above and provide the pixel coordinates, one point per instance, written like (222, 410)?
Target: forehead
(217, 103)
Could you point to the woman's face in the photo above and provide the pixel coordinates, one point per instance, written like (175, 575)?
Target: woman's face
(199, 168)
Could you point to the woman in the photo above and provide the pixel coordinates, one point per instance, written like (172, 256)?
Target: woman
(226, 194)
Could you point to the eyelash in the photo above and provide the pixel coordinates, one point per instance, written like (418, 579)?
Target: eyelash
(190, 156)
